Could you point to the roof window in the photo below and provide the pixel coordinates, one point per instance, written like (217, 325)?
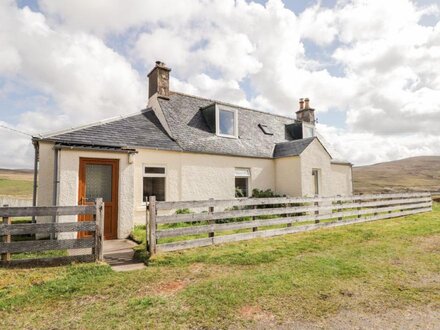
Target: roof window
(266, 130)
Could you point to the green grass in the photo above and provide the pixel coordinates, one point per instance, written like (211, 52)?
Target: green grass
(369, 267)
(11, 187)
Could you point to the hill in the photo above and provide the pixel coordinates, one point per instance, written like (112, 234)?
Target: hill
(409, 174)
(16, 183)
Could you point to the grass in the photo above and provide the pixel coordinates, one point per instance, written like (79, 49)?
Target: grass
(367, 267)
(12, 187)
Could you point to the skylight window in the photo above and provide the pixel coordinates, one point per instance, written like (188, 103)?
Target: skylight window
(266, 130)
(227, 124)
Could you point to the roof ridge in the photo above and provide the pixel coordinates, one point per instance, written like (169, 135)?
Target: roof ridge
(96, 123)
(232, 105)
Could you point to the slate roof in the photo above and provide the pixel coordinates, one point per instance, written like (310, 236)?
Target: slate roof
(140, 130)
(292, 148)
(190, 131)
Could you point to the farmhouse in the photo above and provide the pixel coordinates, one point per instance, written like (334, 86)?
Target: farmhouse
(183, 147)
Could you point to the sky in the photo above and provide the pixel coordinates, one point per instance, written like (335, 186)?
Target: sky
(370, 68)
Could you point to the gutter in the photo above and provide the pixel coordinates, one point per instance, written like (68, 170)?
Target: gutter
(95, 148)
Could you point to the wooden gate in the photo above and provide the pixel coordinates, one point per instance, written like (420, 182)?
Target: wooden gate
(8, 230)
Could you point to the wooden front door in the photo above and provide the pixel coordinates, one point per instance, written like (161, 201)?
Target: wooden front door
(98, 178)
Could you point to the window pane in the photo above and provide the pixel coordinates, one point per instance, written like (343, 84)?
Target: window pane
(226, 122)
(154, 187)
(241, 187)
(315, 174)
(154, 170)
(99, 182)
(308, 132)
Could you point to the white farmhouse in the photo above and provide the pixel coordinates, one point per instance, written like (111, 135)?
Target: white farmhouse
(183, 147)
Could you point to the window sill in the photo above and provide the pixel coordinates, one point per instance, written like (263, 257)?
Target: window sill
(227, 136)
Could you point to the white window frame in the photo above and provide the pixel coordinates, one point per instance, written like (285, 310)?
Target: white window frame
(219, 108)
(304, 128)
(248, 177)
(153, 175)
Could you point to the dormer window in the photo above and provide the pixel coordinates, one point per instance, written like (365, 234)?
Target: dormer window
(226, 121)
(221, 119)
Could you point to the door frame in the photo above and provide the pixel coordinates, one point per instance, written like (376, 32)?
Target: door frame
(83, 161)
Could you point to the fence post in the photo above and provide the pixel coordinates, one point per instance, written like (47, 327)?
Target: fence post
(99, 232)
(210, 211)
(254, 218)
(152, 225)
(339, 209)
(147, 224)
(317, 212)
(6, 238)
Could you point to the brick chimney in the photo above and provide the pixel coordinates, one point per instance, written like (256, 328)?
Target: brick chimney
(305, 113)
(159, 81)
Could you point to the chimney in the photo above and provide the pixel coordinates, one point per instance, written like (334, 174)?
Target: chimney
(159, 81)
(305, 113)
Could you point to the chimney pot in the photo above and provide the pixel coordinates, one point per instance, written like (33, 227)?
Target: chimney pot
(301, 104)
(306, 103)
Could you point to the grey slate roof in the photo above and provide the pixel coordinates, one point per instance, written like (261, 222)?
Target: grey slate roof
(292, 148)
(190, 131)
(140, 130)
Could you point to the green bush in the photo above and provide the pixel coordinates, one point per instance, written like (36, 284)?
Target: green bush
(184, 211)
(258, 193)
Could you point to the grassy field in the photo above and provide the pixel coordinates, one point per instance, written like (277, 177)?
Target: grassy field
(16, 183)
(409, 174)
(369, 268)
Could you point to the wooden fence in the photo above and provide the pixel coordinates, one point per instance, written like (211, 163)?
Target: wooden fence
(265, 217)
(93, 242)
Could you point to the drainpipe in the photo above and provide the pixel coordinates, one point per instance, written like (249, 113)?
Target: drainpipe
(55, 181)
(352, 185)
(36, 160)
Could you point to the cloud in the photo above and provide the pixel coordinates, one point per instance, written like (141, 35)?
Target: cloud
(113, 16)
(85, 79)
(373, 60)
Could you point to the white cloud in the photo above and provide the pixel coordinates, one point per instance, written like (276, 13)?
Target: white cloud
(114, 16)
(86, 79)
(388, 81)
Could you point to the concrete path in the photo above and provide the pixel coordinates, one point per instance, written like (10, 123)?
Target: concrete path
(118, 253)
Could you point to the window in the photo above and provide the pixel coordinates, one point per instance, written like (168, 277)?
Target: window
(308, 131)
(154, 182)
(227, 125)
(242, 176)
(265, 129)
(315, 174)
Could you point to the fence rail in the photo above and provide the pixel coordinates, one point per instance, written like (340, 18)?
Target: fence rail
(8, 229)
(270, 217)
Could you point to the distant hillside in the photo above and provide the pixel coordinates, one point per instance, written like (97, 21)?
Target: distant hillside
(16, 183)
(409, 174)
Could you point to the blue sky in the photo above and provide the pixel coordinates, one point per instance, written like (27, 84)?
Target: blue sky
(66, 63)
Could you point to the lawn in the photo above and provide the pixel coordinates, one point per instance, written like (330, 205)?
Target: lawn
(13, 187)
(308, 277)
